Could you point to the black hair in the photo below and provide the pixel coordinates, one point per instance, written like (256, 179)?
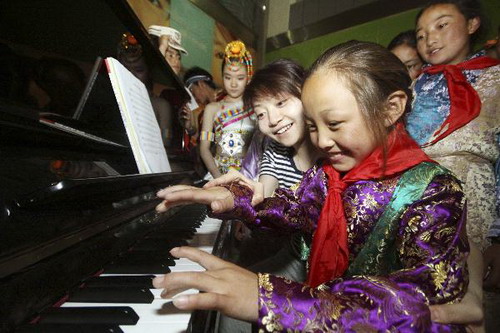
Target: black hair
(63, 80)
(274, 79)
(195, 71)
(469, 9)
(372, 74)
(404, 38)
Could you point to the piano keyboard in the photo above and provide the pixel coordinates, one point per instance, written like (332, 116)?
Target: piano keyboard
(126, 290)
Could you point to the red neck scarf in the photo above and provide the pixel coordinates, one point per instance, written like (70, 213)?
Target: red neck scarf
(329, 253)
(465, 104)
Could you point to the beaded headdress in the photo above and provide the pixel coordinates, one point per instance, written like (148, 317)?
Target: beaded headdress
(129, 47)
(236, 51)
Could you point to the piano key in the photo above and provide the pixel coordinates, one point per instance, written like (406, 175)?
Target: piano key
(139, 268)
(116, 315)
(153, 244)
(144, 281)
(73, 328)
(161, 313)
(178, 327)
(112, 295)
(172, 234)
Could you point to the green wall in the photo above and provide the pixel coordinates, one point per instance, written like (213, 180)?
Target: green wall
(197, 29)
(380, 31)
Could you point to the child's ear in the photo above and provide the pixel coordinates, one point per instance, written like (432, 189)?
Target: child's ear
(473, 24)
(395, 107)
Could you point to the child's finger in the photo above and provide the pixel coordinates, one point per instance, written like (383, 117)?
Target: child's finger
(205, 259)
(166, 205)
(229, 177)
(172, 189)
(202, 301)
(221, 206)
(188, 195)
(174, 283)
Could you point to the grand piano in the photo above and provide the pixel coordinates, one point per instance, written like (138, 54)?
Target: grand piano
(79, 237)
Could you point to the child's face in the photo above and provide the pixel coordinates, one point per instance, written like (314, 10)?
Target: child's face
(235, 79)
(443, 35)
(335, 122)
(201, 92)
(173, 58)
(137, 67)
(281, 118)
(409, 56)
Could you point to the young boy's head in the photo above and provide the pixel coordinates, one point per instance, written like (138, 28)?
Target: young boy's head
(168, 41)
(201, 85)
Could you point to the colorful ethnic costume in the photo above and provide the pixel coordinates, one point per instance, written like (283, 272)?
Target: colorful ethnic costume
(233, 127)
(461, 134)
(390, 247)
(233, 124)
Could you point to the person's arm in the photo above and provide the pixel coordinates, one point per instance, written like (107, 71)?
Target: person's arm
(431, 250)
(163, 112)
(185, 115)
(432, 253)
(469, 311)
(251, 161)
(291, 210)
(270, 184)
(207, 129)
(267, 173)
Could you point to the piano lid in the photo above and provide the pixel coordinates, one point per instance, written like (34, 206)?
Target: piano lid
(37, 159)
(80, 30)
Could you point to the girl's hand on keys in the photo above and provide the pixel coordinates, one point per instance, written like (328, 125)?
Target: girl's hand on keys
(219, 198)
(226, 287)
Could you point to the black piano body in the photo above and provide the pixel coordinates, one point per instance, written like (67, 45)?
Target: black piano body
(69, 203)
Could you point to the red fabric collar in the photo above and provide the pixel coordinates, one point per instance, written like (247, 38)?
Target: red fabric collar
(465, 104)
(330, 253)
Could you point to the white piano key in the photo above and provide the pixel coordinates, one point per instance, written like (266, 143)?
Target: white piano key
(157, 293)
(159, 311)
(155, 328)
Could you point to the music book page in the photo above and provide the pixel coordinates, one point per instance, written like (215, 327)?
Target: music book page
(191, 104)
(139, 118)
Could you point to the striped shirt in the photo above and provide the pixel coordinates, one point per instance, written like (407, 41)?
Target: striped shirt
(277, 161)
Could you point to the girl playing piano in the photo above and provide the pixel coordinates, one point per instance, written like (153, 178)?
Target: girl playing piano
(386, 221)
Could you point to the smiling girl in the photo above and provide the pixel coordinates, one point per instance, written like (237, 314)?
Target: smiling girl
(386, 221)
(456, 110)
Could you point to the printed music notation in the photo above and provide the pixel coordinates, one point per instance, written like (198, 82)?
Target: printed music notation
(139, 118)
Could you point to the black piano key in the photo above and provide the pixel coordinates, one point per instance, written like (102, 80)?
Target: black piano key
(73, 328)
(132, 257)
(141, 262)
(187, 223)
(138, 268)
(119, 315)
(140, 281)
(172, 235)
(158, 244)
(111, 295)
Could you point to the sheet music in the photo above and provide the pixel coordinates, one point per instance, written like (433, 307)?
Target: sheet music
(192, 105)
(138, 116)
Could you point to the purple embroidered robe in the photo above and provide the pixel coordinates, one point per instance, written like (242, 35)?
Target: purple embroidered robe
(430, 244)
